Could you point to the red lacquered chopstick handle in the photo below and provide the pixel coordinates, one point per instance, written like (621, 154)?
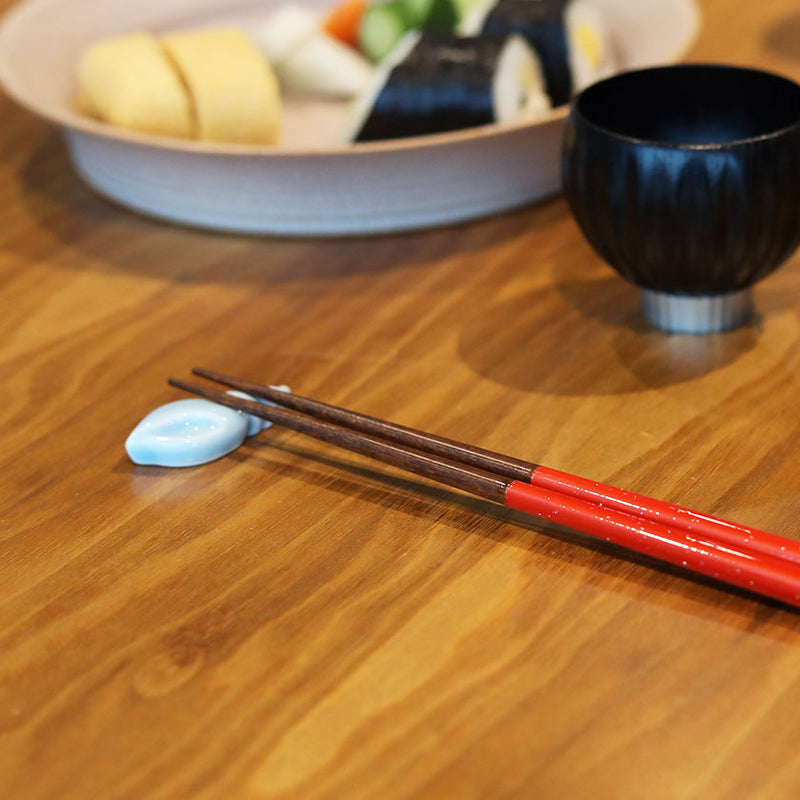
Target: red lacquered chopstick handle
(674, 516)
(757, 572)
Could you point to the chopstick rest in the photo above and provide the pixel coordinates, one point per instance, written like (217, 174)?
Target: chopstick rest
(745, 557)
(187, 433)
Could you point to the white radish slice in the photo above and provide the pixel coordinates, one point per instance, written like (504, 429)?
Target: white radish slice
(284, 32)
(324, 66)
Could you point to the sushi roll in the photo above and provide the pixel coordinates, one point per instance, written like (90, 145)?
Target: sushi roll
(569, 36)
(591, 53)
(433, 83)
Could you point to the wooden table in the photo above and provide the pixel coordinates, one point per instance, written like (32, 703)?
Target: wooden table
(294, 622)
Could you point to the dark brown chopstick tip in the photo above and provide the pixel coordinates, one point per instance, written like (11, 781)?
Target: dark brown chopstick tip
(490, 486)
(486, 460)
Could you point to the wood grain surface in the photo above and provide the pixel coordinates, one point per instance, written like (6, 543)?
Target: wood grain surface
(294, 622)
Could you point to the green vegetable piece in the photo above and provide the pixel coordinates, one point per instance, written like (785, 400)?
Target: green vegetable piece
(382, 27)
(439, 16)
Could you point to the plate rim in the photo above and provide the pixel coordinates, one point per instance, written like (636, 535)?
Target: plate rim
(76, 121)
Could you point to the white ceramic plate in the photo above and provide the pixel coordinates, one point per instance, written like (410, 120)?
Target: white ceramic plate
(311, 185)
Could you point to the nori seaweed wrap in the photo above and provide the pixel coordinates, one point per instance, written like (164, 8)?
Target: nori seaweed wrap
(543, 25)
(569, 37)
(436, 83)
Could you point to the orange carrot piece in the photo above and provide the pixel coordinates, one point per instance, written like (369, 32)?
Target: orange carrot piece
(344, 20)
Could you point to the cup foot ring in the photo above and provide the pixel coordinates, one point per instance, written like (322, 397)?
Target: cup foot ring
(697, 313)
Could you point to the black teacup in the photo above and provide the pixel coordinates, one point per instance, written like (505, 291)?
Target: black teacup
(686, 180)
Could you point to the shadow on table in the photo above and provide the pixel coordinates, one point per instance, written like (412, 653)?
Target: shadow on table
(74, 217)
(552, 545)
(783, 38)
(570, 329)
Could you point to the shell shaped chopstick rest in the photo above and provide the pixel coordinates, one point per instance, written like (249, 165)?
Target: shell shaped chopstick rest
(685, 180)
(186, 433)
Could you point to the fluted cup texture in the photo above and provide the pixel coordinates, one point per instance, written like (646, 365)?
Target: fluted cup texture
(685, 179)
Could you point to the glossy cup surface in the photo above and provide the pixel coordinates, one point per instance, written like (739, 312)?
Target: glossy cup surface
(686, 179)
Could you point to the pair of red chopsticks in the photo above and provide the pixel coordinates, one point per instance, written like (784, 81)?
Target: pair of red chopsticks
(752, 559)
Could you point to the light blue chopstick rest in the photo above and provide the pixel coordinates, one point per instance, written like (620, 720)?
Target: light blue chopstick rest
(191, 432)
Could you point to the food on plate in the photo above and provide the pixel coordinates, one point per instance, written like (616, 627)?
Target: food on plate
(284, 31)
(434, 83)
(343, 21)
(325, 67)
(212, 85)
(129, 81)
(413, 67)
(569, 36)
(306, 59)
(234, 91)
(385, 23)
